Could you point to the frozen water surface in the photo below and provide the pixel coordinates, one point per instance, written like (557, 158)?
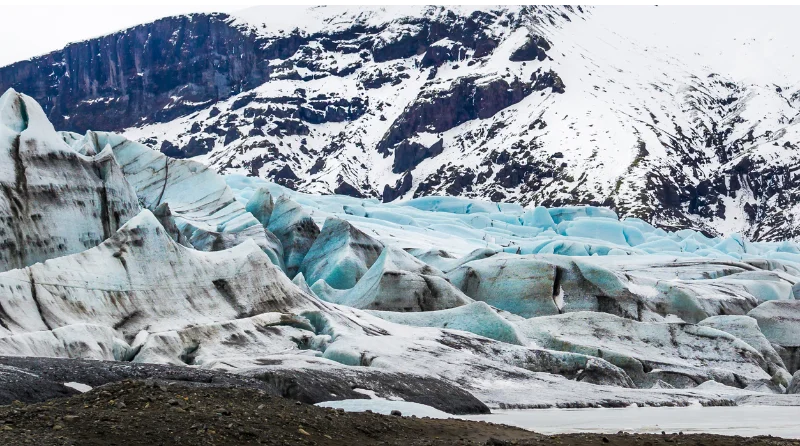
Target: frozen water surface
(385, 407)
(748, 421)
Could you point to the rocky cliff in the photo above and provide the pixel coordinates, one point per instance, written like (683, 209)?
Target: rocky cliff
(150, 73)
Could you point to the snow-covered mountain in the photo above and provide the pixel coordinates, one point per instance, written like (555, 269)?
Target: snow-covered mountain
(684, 117)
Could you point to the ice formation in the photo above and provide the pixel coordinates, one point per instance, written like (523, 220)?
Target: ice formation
(295, 230)
(780, 323)
(399, 282)
(141, 279)
(681, 355)
(55, 201)
(340, 255)
(521, 307)
(476, 317)
(201, 204)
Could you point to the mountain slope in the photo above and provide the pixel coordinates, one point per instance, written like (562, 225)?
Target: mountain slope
(535, 105)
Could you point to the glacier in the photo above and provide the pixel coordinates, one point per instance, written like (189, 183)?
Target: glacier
(514, 306)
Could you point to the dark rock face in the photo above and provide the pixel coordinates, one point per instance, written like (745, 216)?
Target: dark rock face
(322, 109)
(450, 180)
(196, 146)
(345, 188)
(378, 78)
(439, 54)
(130, 77)
(466, 99)
(285, 176)
(535, 48)
(469, 31)
(548, 79)
(289, 127)
(400, 188)
(408, 154)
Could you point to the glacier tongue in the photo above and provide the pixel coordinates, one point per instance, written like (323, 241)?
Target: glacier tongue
(681, 355)
(567, 307)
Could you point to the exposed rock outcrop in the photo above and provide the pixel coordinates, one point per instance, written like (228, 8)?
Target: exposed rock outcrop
(534, 48)
(442, 107)
(149, 73)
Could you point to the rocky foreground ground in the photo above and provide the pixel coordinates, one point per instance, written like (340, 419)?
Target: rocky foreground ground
(154, 412)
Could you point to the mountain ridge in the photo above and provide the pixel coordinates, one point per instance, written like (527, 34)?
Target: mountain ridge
(536, 105)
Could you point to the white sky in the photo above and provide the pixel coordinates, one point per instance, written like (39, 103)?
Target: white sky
(29, 31)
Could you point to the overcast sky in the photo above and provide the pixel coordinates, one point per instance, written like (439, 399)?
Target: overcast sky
(28, 31)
